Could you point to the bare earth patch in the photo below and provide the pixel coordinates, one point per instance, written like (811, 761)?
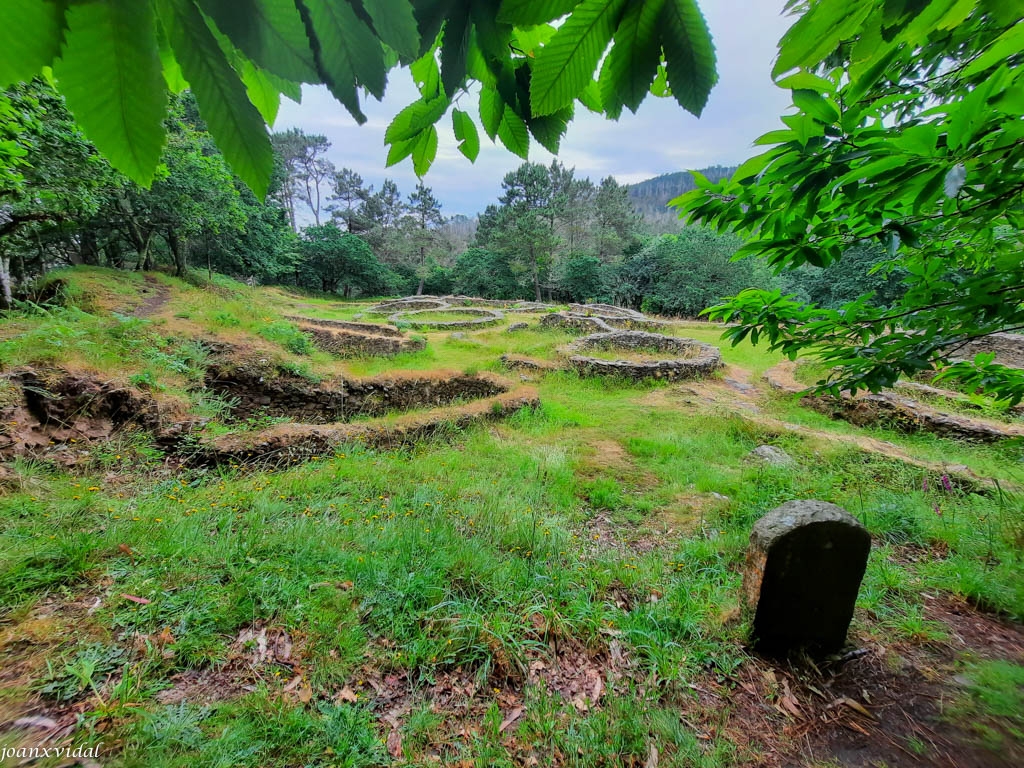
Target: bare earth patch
(877, 706)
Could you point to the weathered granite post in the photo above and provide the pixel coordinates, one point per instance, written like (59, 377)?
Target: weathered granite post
(804, 567)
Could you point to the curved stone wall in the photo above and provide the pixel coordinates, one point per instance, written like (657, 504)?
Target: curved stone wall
(689, 358)
(378, 329)
(284, 443)
(399, 305)
(605, 311)
(258, 387)
(589, 323)
(347, 343)
(891, 410)
(574, 323)
(477, 318)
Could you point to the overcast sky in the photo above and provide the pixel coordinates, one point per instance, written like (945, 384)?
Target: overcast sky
(660, 138)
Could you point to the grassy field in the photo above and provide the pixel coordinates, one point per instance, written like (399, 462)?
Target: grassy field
(560, 588)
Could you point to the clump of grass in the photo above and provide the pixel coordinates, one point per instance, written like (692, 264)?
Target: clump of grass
(288, 336)
(83, 673)
(992, 702)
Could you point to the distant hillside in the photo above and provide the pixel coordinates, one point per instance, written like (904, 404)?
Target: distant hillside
(651, 196)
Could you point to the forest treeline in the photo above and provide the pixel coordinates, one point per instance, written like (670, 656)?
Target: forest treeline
(552, 235)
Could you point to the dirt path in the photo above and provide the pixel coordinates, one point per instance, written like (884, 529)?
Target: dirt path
(156, 296)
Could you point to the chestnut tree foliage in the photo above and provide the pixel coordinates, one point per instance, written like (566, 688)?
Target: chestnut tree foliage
(908, 133)
(114, 61)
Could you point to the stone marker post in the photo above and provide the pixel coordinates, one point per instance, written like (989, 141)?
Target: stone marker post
(804, 567)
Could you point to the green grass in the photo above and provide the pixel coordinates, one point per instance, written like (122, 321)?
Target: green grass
(992, 702)
(463, 560)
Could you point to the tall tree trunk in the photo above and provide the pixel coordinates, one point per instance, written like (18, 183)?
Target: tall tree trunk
(179, 250)
(423, 259)
(5, 282)
(140, 239)
(290, 204)
(536, 276)
(89, 249)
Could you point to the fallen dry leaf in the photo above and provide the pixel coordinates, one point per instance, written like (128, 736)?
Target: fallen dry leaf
(652, 757)
(395, 743)
(790, 705)
(856, 706)
(514, 715)
(134, 599)
(348, 695)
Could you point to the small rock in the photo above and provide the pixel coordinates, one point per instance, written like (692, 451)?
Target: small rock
(517, 327)
(719, 496)
(740, 386)
(458, 336)
(769, 454)
(804, 568)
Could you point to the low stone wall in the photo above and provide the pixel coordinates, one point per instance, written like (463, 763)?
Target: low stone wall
(510, 305)
(483, 317)
(378, 329)
(345, 343)
(382, 394)
(907, 415)
(1009, 349)
(422, 302)
(258, 387)
(524, 363)
(589, 323)
(605, 311)
(286, 443)
(692, 359)
(891, 410)
(637, 324)
(574, 323)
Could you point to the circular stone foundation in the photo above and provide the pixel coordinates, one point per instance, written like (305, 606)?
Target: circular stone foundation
(475, 317)
(407, 304)
(606, 311)
(642, 356)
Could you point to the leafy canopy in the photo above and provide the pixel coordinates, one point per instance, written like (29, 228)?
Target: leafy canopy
(907, 132)
(111, 59)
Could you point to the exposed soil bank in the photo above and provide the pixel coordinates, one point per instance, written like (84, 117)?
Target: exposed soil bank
(40, 409)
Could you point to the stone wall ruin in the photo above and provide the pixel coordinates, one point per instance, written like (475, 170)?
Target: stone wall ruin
(258, 388)
(686, 358)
